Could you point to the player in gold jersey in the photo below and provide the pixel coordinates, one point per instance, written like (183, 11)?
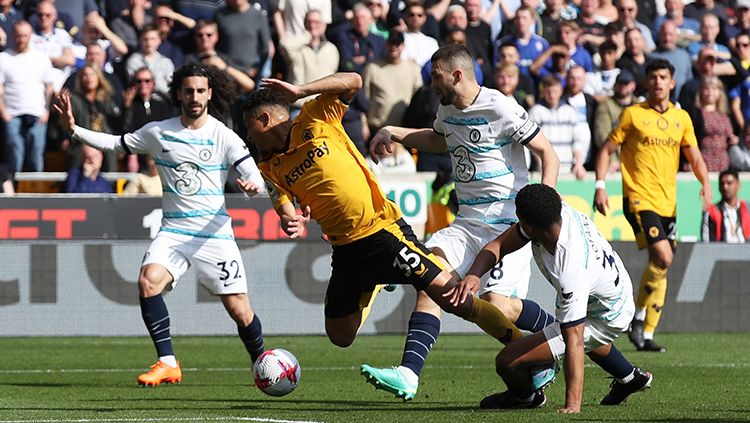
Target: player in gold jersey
(651, 135)
(312, 161)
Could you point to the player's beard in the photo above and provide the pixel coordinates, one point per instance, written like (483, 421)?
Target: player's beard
(188, 110)
(447, 97)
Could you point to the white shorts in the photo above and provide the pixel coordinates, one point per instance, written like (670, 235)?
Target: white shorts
(595, 334)
(217, 262)
(462, 241)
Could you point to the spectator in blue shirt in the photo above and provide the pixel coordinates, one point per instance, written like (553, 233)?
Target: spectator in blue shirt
(87, 179)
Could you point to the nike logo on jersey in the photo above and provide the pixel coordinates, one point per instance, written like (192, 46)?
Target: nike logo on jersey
(164, 150)
(567, 295)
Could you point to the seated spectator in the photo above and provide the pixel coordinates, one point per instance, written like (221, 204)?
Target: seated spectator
(146, 182)
(86, 179)
(417, 46)
(600, 83)
(608, 112)
(529, 45)
(141, 105)
(453, 36)
(309, 56)
(635, 59)
(95, 30)
(63, 19)
(579, 56)
(174, 43)
(741, 24)
(131, 22)
(10, 15)
(148, 56)
(699, 8)
(244, 35)
(559, 122)
(95, 54)
(709, 31)
(607, 11)
(559, 61)
(592, 26)
(206, 38)
(94, 108)
(479, 37)
(729, 219)
(379, 10)
(584, 104)
(712, 125)
(688, 29)
(357, 45)
(390, 83)
(706, 65)
(289, 15)
(507, 54)
(507, 79)
(554, 14)
(627, 12)
(679, 58)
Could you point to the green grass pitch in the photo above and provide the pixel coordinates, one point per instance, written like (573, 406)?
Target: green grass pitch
(702, 378)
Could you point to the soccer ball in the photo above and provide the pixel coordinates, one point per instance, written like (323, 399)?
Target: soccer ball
(277, 372)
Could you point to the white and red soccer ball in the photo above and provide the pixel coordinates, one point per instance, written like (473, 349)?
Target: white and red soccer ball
(277, 372)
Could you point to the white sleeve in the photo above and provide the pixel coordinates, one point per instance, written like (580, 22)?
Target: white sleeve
(572, 301)
(238, 155)
(437, 125)
(515, 121)
(99, 140)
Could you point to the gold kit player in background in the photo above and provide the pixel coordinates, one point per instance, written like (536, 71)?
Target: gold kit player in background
(651, 135)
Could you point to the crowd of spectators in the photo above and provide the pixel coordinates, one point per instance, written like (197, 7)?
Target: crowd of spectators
(574, 64)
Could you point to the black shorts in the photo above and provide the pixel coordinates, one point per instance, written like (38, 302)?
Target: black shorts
(650, 227)
(392, 255)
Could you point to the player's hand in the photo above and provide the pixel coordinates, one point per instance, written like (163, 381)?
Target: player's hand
(247, 187)
(381, 145)
(707, 196)
(62, 106)
(290, 91)
(570, 410)
(601, 201)
(295, 227)
(579, 171)
(465, 287)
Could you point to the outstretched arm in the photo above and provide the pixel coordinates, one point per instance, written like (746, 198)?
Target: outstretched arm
(345, 84)
(425, 140)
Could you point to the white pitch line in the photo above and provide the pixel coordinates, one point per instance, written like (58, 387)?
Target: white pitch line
(164, 419)
(327, 369)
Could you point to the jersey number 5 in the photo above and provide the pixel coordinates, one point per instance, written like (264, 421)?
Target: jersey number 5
(407, 261)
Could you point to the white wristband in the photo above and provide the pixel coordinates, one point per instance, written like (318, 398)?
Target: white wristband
(600, 184)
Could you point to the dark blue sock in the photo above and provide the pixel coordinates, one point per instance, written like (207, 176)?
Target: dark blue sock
(533, 318)
(252, 337)
(156, 317)
(423, 332)
(614, 363)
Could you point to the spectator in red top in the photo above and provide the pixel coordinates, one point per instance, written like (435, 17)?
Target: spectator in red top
(729, 219)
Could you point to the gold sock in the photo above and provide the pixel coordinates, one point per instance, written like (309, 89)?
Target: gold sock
(365, 302)
(652, 293)
(493, 321)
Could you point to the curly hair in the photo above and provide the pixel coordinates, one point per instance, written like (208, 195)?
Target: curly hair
(263, 97)
(224, 89)
(539, 205)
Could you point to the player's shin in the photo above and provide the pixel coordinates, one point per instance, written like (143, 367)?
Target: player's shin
(156, 317)
(651, 296)
(252, 337)
(490, 319)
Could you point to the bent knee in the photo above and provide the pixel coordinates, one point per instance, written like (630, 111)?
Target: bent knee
(152, 280)
(340, 340)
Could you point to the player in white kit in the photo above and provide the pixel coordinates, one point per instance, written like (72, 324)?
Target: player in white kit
(594, 303)
(193, 153)
(485, 133)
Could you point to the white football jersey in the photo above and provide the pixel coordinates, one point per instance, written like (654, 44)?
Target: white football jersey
(588, 275)
(193, 166)
(486, 142)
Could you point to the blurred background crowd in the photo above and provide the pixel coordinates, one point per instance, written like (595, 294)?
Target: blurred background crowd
(573, 64)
